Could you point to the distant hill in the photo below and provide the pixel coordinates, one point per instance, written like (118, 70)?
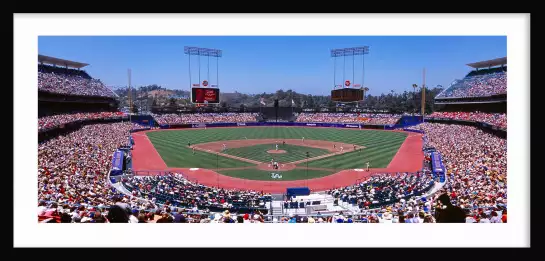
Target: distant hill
(161, 93)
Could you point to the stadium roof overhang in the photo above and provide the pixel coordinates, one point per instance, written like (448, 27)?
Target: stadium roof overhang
(489, 63)
(60, 62)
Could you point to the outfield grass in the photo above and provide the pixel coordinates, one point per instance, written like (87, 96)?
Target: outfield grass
(259, 152)
(295, 174)
(380, 146)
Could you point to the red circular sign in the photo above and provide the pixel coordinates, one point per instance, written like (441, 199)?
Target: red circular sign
(347, 83)
(205, 83)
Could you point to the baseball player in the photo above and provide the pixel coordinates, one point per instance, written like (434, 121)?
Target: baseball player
(283, 142)
(303, 139)
(189, 144)
(193, 150)
(354, 147)
(224, 146)
(276, 146)
(334, 146)
(367, 165)
(342, 148)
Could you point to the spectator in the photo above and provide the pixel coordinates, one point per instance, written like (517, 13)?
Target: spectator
(421, 216)
(142, 218)
(428, 219)
(66, 218)
(495, 218)
(401, 216)
(41, 208)
(484, 218)
(133, 218)
(99, 218)
(448, 213)
(117, 214)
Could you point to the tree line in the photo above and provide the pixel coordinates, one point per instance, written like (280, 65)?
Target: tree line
(391, 102)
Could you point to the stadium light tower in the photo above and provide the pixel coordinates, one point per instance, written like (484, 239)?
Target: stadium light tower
(344, 52)
(423, 89)
(207, 52)
(129, 74)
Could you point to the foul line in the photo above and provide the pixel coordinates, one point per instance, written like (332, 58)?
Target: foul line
(227, 155)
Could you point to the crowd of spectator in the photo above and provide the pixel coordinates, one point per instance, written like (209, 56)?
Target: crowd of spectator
(476, 164)
(70, 82)
(72, 170)
(205, 118)
(73, 186)
(495, 119)
(381, 119)
(384, 189)
(54, 121)
(478, 86)
(365, 118)
(180, 192)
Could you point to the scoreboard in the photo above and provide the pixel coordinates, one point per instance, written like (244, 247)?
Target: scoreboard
(201, 95)
(347, 95)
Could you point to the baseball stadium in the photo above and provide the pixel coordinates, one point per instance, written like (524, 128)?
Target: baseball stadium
(148, 154)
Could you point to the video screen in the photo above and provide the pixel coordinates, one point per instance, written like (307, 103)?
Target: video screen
(205, 95)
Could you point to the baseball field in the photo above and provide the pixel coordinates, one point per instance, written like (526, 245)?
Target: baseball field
(249, 152)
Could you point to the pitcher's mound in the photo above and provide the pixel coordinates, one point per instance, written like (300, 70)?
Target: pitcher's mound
(276, 151)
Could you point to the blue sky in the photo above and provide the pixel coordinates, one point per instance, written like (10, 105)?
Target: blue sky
(255, 64)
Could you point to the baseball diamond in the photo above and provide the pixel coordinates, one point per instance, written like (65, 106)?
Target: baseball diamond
(246, 163)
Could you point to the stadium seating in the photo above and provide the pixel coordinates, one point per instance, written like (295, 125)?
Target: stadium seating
(204, 118)
(54, 121)
(495, 119)
(376, 119)
(70, 82)
(477, 84)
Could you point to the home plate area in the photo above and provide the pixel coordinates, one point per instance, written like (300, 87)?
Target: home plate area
(281, 166)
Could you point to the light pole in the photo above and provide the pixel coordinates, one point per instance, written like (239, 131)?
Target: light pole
(415, 86)
(423, 88)
(198, 51)
(353, 51)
